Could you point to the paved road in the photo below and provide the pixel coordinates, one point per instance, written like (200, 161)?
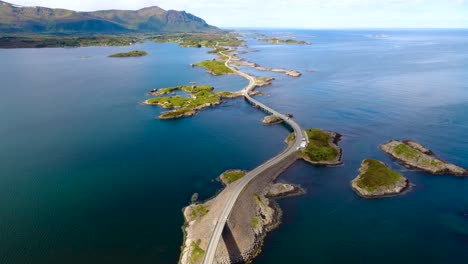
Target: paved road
(210, 252)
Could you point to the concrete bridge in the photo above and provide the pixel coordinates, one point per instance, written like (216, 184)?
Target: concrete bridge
(301, 136)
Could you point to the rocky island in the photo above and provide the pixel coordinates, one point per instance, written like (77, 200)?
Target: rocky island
(238, 61)
(135, 53)
(199, 97)
(377, 180)
(272, 120)
(322, 148)
(414, 155)
(275, 40)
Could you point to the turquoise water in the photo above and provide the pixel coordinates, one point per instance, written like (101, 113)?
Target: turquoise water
(87, 175)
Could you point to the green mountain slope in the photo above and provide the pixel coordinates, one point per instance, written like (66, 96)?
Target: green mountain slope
(17, 19)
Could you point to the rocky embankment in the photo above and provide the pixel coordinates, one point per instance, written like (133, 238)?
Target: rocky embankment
(256, 213)
(414, 155)
(272, 120)
(378, 180)
(236, 60)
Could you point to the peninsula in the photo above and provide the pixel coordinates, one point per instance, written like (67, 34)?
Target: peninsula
(377, 180)
(413, 155)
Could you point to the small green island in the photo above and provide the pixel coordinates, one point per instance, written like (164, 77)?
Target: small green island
(414, 155)
(215, 67)
(134, 53)
(377, 180)
(198, 97)
(322, 148)
(283, 41)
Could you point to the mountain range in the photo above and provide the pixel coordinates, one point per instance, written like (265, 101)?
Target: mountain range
(21, 19)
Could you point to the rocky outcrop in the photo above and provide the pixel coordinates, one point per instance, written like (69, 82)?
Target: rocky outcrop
(413, 155)
(272, 120)
(241, 62)
(263, 81)
(279, 190)
(385, 187)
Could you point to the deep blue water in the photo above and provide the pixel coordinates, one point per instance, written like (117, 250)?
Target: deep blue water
(87, 175)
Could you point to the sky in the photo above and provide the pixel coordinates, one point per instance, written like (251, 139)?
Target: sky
(296, 13)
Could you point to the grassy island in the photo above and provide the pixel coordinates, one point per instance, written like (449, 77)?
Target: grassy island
(199, 97)
(215, 67)
(135, 53)
(376, 179)
(414, 155)
(322, 148)
(283, 41)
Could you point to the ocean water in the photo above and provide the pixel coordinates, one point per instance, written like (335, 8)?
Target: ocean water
(87, 175)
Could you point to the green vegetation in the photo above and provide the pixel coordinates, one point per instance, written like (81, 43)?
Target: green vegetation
(432, 163)
(406, 151)
(197, 253)
(225, 94)
(135, 53)
(198, 40)
(48, 41)
(198, 211)
(215, 67)
(319, 148)
(291, 138)
(59, 21)
(255, 222)
(258, 199)
(200, 97)
(283, 41)
(377, 175)
(232, 176)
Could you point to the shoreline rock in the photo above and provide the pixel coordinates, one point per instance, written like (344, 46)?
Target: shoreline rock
(238, 61)
(272, 120)
(415, 156)
(386, 190)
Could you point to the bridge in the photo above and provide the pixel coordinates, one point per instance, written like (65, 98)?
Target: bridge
(300, 134)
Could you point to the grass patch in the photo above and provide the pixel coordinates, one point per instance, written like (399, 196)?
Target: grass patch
(406, 151)
(291, 137)
(319, 148)
(224, 94)
(198, 211)
(377, 175)
(197, 253)
(232, 176)
(215, 67)
(255, 222)
(432, 163)
(135, 53)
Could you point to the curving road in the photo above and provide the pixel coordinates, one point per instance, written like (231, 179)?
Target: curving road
(300, 136)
